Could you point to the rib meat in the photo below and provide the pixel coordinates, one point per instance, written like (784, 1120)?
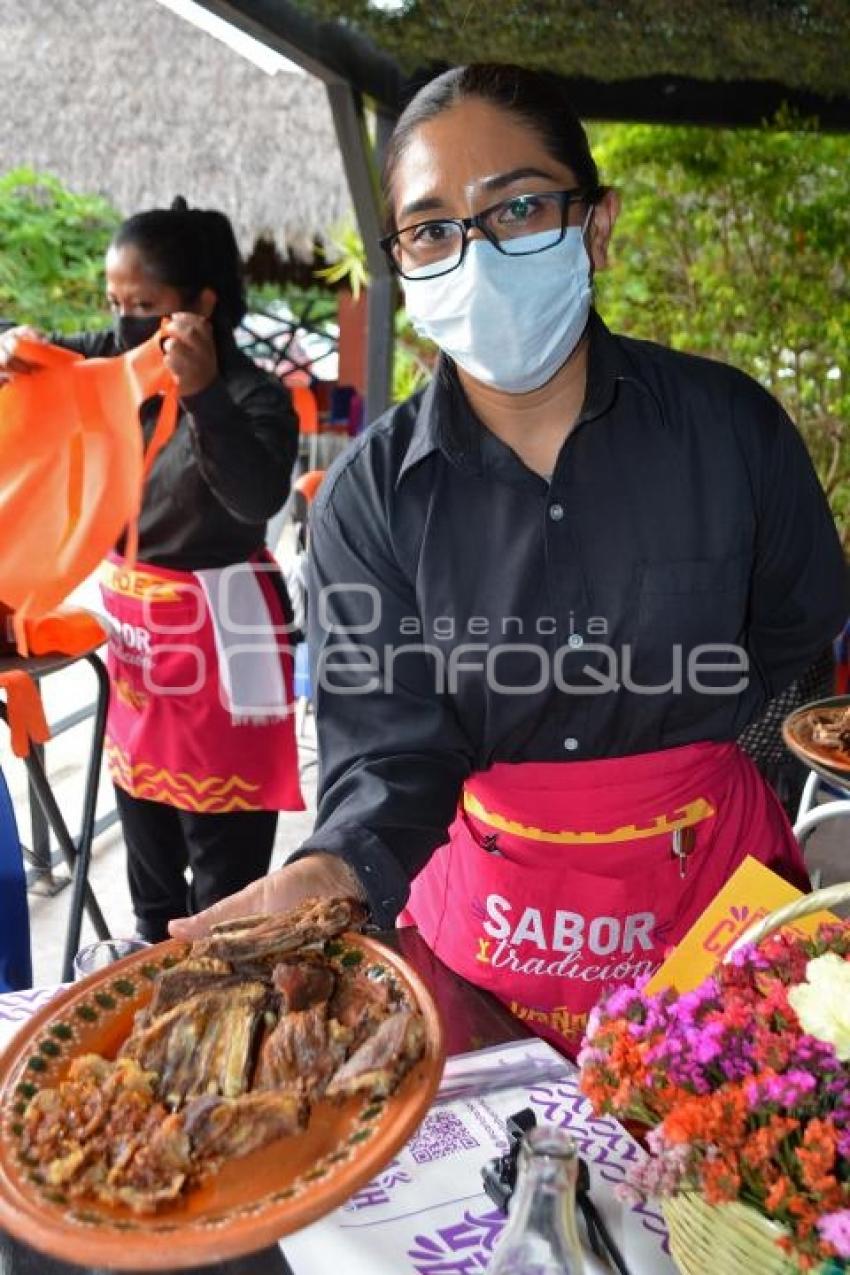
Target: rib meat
(203, 1045)
(360, 1003)
(301, 984)
(381, 1061)
(304, 1050)
(180, 982)
(224, 1128)
(259, 939)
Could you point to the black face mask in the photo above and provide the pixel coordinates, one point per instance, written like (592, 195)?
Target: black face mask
(134, 329)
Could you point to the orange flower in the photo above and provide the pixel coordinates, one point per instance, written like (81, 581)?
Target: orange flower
(817, 1156)
(717, 1119)
(721, 1181)
(776, 1200)
(761, 1148)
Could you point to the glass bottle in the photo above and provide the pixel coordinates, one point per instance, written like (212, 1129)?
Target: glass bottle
(541, 1237)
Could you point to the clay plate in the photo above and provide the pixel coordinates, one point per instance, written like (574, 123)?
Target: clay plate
(797, 733)
(251, 1202)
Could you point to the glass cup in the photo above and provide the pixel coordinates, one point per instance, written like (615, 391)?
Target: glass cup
(96, 956)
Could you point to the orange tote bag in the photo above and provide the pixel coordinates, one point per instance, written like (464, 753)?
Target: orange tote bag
(72, 467)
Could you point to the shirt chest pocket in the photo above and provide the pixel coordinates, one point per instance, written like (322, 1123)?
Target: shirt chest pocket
(687, 604)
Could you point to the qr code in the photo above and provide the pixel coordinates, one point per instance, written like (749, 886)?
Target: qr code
(441, 1134)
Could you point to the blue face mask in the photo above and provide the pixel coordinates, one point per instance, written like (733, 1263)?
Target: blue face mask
(510, 322)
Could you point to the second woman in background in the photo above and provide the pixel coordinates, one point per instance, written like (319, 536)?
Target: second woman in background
(200, 737)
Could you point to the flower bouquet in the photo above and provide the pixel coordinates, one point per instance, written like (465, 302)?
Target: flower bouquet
(745, 1084)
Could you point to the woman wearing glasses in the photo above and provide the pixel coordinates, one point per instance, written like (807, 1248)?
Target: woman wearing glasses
(549, 591)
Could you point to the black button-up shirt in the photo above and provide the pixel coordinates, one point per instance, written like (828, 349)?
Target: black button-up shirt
(679, 569)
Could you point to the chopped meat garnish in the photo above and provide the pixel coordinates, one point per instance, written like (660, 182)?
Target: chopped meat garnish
(381, 1061)
(103, 1133)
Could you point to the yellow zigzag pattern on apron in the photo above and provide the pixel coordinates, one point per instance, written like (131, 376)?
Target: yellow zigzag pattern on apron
(214, 794)
(686, 816)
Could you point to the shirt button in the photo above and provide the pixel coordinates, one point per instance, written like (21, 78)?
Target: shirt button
(575, 639)
(556, 512)
(571, 744)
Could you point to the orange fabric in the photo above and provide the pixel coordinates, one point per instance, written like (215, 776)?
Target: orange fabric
(25, 711)
(306, 409)
(72, 468)
(65, 632)
(308, 484)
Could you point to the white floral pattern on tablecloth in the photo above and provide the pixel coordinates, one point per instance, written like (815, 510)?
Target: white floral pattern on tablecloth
(17, 1007)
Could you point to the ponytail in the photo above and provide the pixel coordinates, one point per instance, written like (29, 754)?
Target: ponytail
(190, 249)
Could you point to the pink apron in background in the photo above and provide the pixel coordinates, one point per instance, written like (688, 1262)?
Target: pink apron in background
(560, 879)
(201, 701)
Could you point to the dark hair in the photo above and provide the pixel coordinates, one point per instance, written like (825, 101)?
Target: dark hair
(190, 249)
(536, 97)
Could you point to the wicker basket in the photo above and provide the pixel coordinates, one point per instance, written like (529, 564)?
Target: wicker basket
(723, 1239)
(734, 1239)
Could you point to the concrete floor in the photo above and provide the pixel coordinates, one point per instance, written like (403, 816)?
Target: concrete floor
(828, 849)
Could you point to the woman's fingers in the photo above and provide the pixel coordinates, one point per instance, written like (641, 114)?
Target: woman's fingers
(247, 901)
(317, 876)
(190, 354)
(10, 363)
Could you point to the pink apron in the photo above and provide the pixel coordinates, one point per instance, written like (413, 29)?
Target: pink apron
(201, 702)
(561, 879)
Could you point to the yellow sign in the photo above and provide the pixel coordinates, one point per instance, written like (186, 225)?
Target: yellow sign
(750, 894)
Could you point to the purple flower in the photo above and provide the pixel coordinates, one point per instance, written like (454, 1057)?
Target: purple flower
(835, 1229)
(785, 1091)
(621, 1000)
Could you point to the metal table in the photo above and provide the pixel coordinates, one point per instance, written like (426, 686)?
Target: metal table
(472, 1020)
(77, 853)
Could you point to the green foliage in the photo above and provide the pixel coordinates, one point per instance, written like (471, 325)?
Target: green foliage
(734, 244)
(413, 362)
(317, 303)
(51, 253)
(801, 43)
(348, 259)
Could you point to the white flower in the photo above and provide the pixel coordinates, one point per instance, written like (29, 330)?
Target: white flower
(822, 1003)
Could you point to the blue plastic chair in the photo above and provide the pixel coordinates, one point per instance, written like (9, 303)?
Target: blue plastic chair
(15, 955)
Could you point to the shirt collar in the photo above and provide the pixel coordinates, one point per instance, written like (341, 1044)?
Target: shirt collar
(445, 421)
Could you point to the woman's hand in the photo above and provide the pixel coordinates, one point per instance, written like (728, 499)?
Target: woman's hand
(10, 364)
(317, 876)
(190, 352)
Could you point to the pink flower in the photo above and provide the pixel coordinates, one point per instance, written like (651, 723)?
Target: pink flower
(835, 1229)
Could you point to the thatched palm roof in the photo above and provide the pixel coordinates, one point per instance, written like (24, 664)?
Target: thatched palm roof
(125, 99)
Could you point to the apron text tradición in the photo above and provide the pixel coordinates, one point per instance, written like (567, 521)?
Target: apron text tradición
(561, 879)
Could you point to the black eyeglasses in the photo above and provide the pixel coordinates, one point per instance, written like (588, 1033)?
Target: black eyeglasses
(518, 227)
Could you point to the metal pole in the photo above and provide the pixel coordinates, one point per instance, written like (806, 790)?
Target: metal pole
(39, 851)
(81, 895)
(359, 162)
